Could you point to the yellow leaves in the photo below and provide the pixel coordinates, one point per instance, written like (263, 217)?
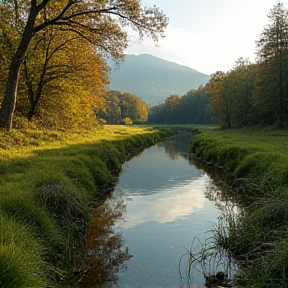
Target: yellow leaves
(71, 77)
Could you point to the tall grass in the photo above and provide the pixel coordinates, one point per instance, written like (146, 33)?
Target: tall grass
(21, 261)
(49, 180)
(256, 234)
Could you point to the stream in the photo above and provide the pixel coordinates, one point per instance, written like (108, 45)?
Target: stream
(160, 210)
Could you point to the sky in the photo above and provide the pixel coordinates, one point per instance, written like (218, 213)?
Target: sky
(207, 35)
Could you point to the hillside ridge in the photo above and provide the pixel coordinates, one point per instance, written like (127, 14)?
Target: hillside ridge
(154, 79)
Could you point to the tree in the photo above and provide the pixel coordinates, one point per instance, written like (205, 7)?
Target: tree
(188, 109)
(193, 107)
(221, 97)
(242, 78)
(101, 23)
(54, 65)
(273, 57)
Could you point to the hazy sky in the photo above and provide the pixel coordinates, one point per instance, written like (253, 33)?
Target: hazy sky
(207, 35)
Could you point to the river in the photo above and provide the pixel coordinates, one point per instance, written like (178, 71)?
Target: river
(159, 207)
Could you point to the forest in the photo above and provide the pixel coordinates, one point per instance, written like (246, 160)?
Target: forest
(247, 95)
(122, 105)
(188, 109)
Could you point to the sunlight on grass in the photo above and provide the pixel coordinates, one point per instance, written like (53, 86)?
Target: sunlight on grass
(248, 153)
(49, 180)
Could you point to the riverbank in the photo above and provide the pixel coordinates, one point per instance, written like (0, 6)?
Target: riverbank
(49, 182)
(246, 153)
(255, 166)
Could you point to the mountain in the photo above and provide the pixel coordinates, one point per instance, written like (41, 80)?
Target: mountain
(153, 79)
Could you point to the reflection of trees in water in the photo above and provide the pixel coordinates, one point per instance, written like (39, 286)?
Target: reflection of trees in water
(212, 171)
(178, 146)
(105, 255)
(171, 149)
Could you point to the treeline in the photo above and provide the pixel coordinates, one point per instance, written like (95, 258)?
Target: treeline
(53, 57)
(187, 109)
(256, 94)
(122, 105)
(249, 94)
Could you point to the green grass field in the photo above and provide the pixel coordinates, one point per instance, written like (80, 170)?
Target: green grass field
(49, 180)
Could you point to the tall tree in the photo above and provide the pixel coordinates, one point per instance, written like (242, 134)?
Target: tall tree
(241, 89)
(100, 23)
(221, 97)
(273, 57)
(52, 62)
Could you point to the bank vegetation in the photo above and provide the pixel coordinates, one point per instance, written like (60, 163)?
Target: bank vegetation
(252, 173)
(49, 182)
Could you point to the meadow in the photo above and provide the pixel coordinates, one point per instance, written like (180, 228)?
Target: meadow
(50, 180)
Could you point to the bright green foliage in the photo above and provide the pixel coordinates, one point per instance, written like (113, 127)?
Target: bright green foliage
(255, 167)
(21, 263)
(247, 153)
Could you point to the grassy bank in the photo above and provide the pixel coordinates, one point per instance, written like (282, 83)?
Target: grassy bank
(49, 181)
(256, 234)
(247, 153)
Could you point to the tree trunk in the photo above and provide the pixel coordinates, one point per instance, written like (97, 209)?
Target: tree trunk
(281, 93)
(10, 95)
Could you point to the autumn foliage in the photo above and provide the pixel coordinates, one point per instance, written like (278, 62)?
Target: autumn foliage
(54, 56)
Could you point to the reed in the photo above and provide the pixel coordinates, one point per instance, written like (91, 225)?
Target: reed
(256, 235)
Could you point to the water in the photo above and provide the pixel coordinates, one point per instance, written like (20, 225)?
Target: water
(164, 206)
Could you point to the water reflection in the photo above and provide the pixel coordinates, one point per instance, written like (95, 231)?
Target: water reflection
(158, 207)
(166, 208)
(177, 147)
(165, 205)
(105, 250)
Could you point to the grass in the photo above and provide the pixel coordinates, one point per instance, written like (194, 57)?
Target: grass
(247, 153)
(49, 180)
(255, 163)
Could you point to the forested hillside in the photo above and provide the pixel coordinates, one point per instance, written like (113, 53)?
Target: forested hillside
(153, 79)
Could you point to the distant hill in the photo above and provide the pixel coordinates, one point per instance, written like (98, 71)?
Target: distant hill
(153, 79)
